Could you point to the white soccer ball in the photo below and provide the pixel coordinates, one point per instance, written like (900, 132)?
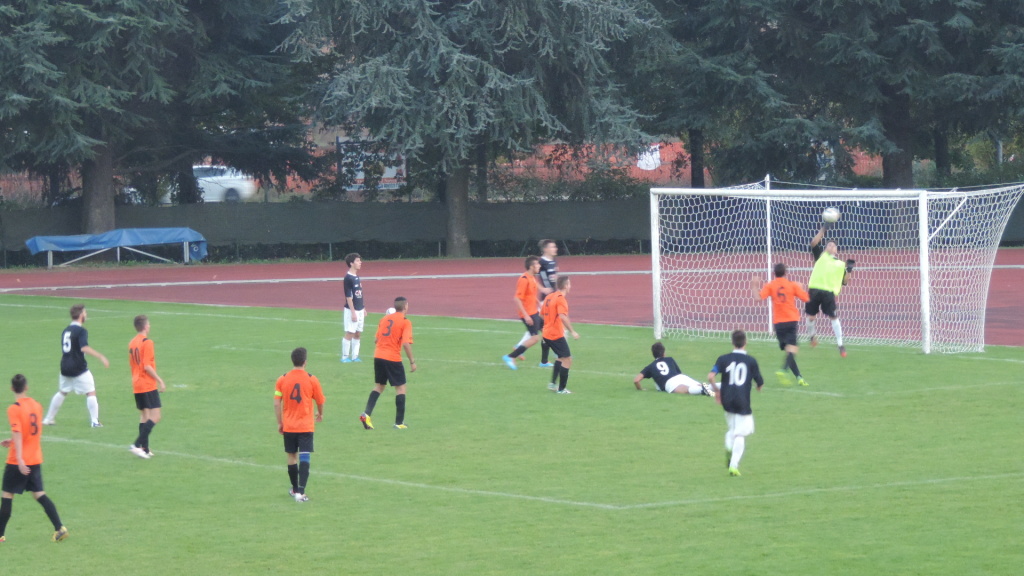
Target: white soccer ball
(389, 311)
(830, 215)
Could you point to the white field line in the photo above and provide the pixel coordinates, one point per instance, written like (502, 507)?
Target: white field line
(573, 503)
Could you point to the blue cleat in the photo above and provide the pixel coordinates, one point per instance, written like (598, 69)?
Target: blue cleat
(546, 365)
(509, 362)
(346, 360)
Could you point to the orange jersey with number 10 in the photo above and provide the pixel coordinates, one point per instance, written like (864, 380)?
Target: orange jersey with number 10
(784, 294)
(26, 418)
(298, 390)
(393, 331)
(140, 355)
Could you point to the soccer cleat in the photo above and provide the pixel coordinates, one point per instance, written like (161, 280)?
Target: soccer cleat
(357, 359)
(300, 497)
(49, 423)
(546, 365)
(291, 492)
(801, 381)
(707, 390)
(509, 362)
(784, 378)
(97, 424)
(346, 360)
(842, 351)
(61, 534)
(365, 419)
(814, 341)
(400, 427)
(564, 391)
(138, 452)
(552, 387)
(734, 472)
(3, 539)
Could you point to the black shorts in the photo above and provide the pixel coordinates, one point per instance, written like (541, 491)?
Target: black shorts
(822, 299)
(16, 483)
(144, 400)
(538, 325)
(786, 333)
(298, 442)
(559, 346)
(388, 372)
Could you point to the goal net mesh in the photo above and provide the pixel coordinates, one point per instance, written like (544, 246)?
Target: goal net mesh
(711, 245)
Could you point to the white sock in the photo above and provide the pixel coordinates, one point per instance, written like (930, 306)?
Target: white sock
(738, 445)
(837, 329)
(698, 389)
(729, 440)
(810, 328)
(58, 399)
(526, 336)
(94, 408)
(355, 348)
(346, 346)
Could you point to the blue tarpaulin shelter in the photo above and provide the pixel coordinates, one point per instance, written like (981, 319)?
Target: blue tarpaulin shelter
(193, 243)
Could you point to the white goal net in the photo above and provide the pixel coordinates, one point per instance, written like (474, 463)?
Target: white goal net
(923, 260)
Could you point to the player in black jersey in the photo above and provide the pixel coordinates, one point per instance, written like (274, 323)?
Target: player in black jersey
(354, 313)
(74, 371)
(548, 278)
(668, 377)
(739, 370)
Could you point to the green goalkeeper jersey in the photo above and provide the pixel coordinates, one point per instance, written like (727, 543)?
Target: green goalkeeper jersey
(828, 274)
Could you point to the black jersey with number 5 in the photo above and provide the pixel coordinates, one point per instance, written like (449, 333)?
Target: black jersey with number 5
(737, 370)
(72, 360)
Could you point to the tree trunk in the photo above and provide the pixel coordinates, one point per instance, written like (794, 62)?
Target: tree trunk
(943, 166)
(98, 192)
(457, 200)
(481, 172)
(696, 150)
(898, 167)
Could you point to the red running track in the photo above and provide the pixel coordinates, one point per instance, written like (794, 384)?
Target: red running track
(606, 289)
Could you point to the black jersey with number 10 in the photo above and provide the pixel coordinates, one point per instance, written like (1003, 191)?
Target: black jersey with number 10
(738, 371)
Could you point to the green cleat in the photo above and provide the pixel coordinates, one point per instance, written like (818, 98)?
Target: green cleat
(400, 427)
(801, 381)
(784, 378)
(734, 471)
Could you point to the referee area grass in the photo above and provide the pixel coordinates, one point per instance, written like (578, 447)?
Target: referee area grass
(890, 462)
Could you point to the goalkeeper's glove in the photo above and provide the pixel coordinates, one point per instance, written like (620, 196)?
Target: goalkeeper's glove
(849, 265)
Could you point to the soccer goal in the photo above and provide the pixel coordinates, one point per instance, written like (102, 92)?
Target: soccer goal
(923, 260)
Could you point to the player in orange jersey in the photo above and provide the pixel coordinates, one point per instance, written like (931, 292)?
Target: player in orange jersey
(394, 334)
(294, 396)
(24, 470)
(555, 312)
(785, 318)
(146, 384)
(526, 304)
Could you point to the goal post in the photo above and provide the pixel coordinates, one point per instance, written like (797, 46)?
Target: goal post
(923, 260)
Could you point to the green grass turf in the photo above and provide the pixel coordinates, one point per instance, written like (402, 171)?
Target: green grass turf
(891, 462)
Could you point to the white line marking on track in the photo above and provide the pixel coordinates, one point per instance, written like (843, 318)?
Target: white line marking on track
(575, 503)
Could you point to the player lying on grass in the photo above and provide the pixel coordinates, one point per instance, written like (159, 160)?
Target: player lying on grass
(668, 377)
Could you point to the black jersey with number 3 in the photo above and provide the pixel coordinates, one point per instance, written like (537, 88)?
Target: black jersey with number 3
(72, 360)
(738, 370)
(661, 371)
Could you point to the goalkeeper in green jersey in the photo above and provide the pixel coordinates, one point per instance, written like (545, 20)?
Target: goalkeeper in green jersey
(828, 277)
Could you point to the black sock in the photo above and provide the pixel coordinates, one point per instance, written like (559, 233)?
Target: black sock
(139, 440)
(400, 409)
(293, 476)
(303, 476)
(51, 511)
(791, 363)
(147, 428)
(563, 378)
(371, 402)
(5, 513)
(555, 371)
(544, 349)
(515, 353)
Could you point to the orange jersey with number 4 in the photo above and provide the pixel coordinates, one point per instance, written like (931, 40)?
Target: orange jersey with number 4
(140, 355)
(784, 294)
(393, 331)
(298, 391)
(26, 418)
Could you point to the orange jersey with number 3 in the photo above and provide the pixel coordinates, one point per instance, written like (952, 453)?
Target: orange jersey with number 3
(393, 331)
(298, 391)
(26, 418)
(141, 354)
(784, 294)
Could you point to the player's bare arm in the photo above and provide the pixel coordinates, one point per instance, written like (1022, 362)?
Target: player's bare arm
(92, 352)
(159, 381)
(522, 311)
(636, 381)
(755, 286)
(320, 412)
(818, 237)
(352, 309)
(277, 412)
(408, 354)
(568, 326)
(16, 442)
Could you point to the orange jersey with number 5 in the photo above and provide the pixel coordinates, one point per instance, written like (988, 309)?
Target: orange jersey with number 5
(298, 391)
(784, 294)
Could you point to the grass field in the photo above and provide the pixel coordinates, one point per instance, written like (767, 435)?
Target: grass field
(891, 462)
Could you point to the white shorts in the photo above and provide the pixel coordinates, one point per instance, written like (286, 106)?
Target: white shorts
(81, 384)
(680, 380)
(740, 424)
(350, 326)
